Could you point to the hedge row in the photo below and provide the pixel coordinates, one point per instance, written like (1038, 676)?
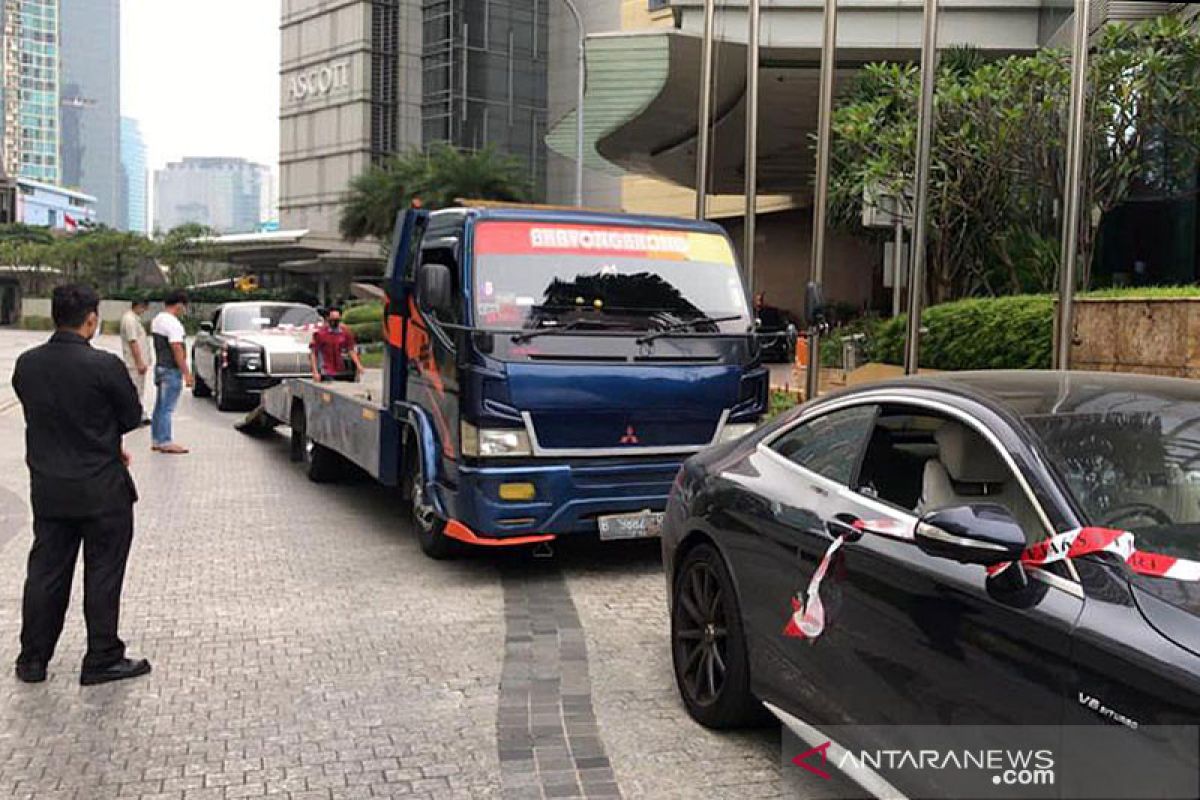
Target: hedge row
(984, 333)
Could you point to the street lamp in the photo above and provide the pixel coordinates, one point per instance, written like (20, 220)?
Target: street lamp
(570, 4)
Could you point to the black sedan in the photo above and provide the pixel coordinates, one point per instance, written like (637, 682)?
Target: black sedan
(248, 347)
(981, 549)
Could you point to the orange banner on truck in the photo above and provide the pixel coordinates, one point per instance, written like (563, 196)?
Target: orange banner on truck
(547, 238)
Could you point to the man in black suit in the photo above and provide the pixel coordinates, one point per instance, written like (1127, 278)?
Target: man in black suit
(78, 403)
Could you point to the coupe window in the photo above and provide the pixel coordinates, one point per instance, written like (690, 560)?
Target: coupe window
(257, 318)
(920, 461)
(830, 444)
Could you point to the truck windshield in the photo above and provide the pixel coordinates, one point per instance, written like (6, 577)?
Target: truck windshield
(545, 275)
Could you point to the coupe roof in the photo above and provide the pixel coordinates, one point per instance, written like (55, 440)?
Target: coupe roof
(1044, 392)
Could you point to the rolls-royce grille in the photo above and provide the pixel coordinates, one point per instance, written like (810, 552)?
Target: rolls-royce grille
(288, 364)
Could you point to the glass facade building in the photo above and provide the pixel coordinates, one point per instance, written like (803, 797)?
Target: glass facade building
(90, 43)
(485, 79)
(134, 177)
(37, 50)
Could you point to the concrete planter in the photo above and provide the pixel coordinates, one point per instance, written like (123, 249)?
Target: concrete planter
(1150, 337)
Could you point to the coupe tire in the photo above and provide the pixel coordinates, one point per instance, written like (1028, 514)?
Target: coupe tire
(429, 527)
(221, 392)
(708, 644)
(199, 387)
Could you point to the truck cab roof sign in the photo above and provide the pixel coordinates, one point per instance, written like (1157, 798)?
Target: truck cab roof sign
(537, 238)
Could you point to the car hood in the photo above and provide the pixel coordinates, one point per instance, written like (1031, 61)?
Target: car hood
(276, 340)
(623, 406)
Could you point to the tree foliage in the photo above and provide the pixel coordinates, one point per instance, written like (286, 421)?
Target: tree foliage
(999, 150)
(436, 177)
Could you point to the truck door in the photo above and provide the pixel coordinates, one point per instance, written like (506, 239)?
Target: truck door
(432, 364)
(399, 288)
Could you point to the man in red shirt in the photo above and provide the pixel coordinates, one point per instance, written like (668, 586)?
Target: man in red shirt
(331, 345)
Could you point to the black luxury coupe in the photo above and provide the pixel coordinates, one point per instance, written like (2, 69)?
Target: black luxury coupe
(975, 549)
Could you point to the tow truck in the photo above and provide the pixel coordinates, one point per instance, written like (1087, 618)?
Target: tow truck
(546, 373)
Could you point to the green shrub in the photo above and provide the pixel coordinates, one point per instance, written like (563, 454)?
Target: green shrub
(831, 343)
(982, 333)
(367, 312)
(367, 332)
(30, 323)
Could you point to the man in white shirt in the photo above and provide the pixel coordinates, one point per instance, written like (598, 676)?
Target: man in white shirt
(171, 371)
(135, 347)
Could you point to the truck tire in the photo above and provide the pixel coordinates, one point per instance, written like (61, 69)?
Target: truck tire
(321, 464)
(429, 527)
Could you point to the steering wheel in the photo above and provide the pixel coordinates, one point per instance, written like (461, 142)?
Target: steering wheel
(1134, 510)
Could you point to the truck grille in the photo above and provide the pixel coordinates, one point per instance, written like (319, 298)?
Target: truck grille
(600, 430)
(288, 364)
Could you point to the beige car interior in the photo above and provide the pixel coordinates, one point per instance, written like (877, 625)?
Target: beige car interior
(968, 470)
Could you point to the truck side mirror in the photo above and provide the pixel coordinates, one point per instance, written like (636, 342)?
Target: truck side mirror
(435, 287)
(814, 305)
(206, 327)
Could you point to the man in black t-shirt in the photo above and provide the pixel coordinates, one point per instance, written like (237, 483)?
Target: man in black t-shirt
(78, 403)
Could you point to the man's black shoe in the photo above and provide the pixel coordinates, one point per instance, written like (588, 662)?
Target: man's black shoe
(122, 670)
(31, 673)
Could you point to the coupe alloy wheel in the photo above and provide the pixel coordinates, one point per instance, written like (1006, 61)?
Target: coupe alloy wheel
(702, 633)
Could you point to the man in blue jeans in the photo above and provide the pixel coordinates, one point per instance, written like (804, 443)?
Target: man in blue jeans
(171, 371)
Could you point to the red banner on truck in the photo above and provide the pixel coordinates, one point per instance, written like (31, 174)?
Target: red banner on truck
(536, 238)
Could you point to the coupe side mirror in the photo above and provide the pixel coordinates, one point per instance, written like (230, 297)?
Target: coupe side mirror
(206, 327)
(434, 287)
(814, 304)
(983, 533)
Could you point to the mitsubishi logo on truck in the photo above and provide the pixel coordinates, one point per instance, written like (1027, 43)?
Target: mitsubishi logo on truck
(630, 436)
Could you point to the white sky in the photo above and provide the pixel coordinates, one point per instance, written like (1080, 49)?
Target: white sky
(202, 77)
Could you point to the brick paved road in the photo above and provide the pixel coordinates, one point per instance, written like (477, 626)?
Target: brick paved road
(303, 647)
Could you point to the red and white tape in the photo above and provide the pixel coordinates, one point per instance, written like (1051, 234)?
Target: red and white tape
(1082, 541)
(807, 620)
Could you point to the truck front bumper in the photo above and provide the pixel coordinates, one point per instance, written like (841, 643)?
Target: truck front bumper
(568, 498)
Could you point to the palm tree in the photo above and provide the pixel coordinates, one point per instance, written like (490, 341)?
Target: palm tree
(437, 177)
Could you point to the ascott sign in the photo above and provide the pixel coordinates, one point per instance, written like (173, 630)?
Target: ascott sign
(319, 81)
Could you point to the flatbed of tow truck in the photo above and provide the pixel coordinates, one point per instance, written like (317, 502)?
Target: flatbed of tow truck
(333, 421)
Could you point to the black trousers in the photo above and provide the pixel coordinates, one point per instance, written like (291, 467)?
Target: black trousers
(56, 542)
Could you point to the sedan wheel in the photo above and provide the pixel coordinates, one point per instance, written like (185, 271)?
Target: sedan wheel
(708, 644)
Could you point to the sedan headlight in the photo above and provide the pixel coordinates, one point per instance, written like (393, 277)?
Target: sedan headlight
(736, 430)
(494, 442)
(250, 362)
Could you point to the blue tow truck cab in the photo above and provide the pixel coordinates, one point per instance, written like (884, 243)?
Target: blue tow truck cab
(546, 373)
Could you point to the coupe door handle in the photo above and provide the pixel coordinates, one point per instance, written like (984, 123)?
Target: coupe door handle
(820, 491)
(844, 525)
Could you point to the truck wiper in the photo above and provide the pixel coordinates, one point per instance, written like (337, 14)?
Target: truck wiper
(548, 331)
(678, 327)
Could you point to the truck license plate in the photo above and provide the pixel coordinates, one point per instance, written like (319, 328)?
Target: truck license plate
(639, 525)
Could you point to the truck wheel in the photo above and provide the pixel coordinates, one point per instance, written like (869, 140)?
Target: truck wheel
(324, 465)
(321, 464)
(429, 527)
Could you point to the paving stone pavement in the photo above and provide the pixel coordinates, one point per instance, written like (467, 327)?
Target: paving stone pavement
(304, 648)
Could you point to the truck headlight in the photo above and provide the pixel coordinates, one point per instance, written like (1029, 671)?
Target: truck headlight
(736, 430)
(494, 442)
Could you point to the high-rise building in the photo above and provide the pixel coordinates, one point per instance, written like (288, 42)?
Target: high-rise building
(90, 33)
(365, 80)
(29, 57)
(134, 178)
(226, 194)
(485, 78)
